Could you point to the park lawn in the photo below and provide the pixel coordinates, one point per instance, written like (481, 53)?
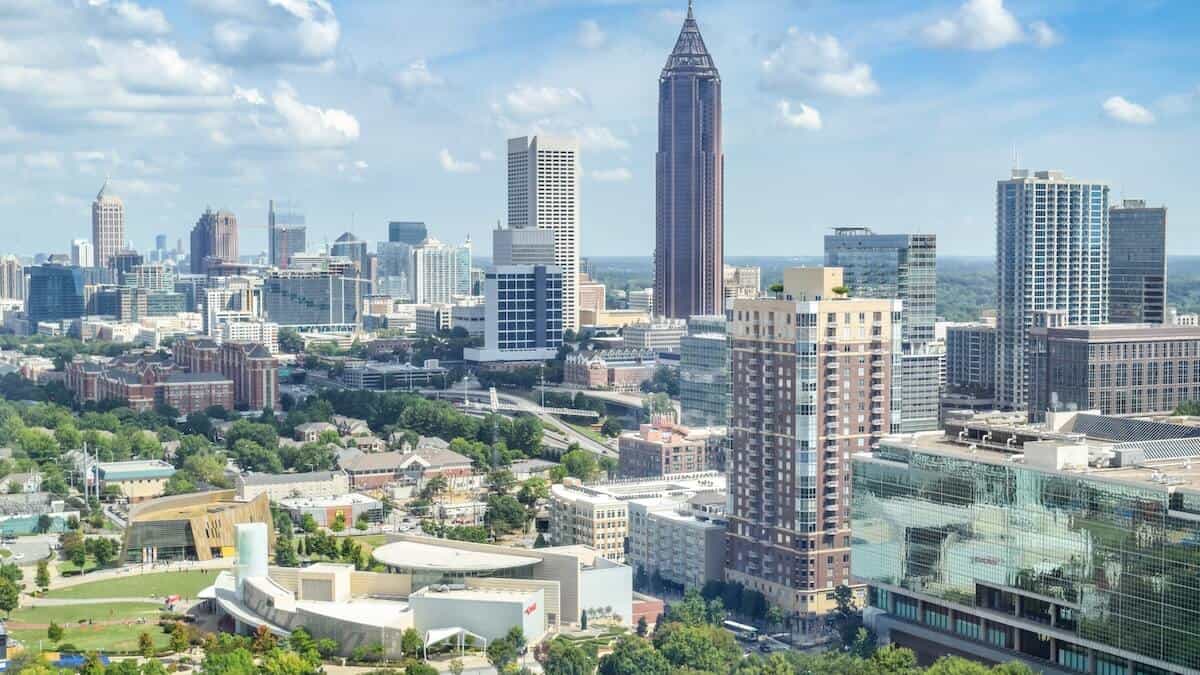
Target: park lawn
(68, 568)
(589, 432)
(71, 614)
(161, 584)
(120, 638)
(369, 542)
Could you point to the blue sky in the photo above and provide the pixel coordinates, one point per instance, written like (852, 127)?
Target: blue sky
(899, 115)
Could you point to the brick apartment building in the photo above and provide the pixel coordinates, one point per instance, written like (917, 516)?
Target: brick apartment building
(663, 448)
(250, 366)
(146, 383)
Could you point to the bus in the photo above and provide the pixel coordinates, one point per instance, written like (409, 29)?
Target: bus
(741, 631)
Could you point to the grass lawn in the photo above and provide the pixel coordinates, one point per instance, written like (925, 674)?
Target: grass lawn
(71, 614)
(5, 553)
(589, 432)
(68, 568)
(369, 542)
(96, 638)
(160, 584)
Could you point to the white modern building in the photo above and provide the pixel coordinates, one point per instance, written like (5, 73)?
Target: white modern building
(265, 333)
(108, 226)
(82, 254)
(679, 538)
(438, 272)
(1052, 254)
(543, 192)
(524, 318)
(277, 487)
(522, 246)
(661, 335)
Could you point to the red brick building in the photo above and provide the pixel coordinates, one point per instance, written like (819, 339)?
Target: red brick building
(146, 384)
(195, 392)
(613, 369)
(255, 374)
(197, 354)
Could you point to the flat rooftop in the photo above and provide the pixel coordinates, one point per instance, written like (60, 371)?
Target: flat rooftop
(421, 556)
(477, 594)
(643, 488)
(348, 499)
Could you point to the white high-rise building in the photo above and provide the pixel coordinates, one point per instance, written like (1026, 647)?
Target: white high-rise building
(108, 226)
(1051, 256)
(436, 272)
(82, 254)
(543, 192)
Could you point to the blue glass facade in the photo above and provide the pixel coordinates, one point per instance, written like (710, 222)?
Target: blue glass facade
(55, 293)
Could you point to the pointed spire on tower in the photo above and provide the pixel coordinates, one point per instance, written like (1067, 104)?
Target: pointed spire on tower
(690, 53)
(689, 14)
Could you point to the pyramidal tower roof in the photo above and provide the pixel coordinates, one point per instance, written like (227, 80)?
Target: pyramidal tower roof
(690, 54)
(104, 193)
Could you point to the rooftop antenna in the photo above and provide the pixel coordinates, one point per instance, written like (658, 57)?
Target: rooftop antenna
(1016, 159)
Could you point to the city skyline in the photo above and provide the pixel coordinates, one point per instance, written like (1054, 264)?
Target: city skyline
(321, 105)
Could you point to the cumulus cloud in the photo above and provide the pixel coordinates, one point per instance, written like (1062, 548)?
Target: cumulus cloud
(1123, 110)
(983, 25)
(129, 18)
(600, 138)
(413, 80)
(254, 32)
(311, 126)
(452, 165)
(43, 160)
(618, 175)
(527, 101)
(590, 35)
(807, 62)
(803, 117)
(251, 96)
(157, 68)
(143, 187)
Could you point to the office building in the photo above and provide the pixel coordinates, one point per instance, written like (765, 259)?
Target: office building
(277, 487)
(1051, 254)
(689, 246)
(393, 267)
(407, 232)
(123, 264)
(899, 266)
(921, 387)
(680, 539)
(641, 300)
(1057, 545)
(597, 515)
(82, 254)
(437, 272)
(524, 246)
(660, 335)
(704, 372)
(12, 278)
(971, 359)
(816, 376)
(741, 282)
(153, 277)
(286, 233)
(214, 240)
(55, 293)
(663, 448)
(198, 526)
(1118, 369)
(543, 192)
(523, 314)
(108, 226)
(262, 332)
(622, 370)
(313, 300)
(135, 480)
(1137, 254)
(350, 246)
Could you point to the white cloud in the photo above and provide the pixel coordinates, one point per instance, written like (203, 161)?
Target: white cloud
(487, 155)
(311, 126)
(618, 175)
(43, 160)
(600, 138)
(88, 156)
(452, 165)
(1043, 35)
(303, 32)
(1123, 110)
(360, 165)
(143, 187)
(129, 18)
(251, 96)
(804, 117)
(157, 68)
(413, 79)
(590, 35)
(806, 61)
(530, 101)
(983, 25)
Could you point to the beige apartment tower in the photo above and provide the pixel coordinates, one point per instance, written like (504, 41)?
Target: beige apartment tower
(108, 226)
(815, 378)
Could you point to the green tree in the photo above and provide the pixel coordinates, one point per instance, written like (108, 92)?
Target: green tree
(643, 626)
(501, 481)
(501, 653)
(504, 513)
(179, 642)
(54, 633)
(456, 667)
(42, 578)
(234, 662)
(580, 464)
(775, 616)
(567, 657)
(533, 490)
(634, 656)
(702, 647)
(10, 596)
(339, 522)
(418, 668)
(145, 645)
(308, 523)
(611, 427)
(411, 643)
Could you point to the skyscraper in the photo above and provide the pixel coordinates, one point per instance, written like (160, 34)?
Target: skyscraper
(900, 266)
(1137, 240)
(409, 232)
(82, 254)
(543, 192)
(815, 379)
(12, 278)
(704, 373)
(522, 246)
(214, 240)
(55, 293)
(437, 272)
(348, 245)
(286, 233)
(689, 248)
(1051, 254)
(108, 226)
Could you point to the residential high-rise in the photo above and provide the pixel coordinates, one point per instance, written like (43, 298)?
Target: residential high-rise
(350, 246)
(704, 373)
(82, 254)
(407, 232)
(1051, 254)
(689, 248)
(154, 277)
(971, 360)
(436, 273)
(921, 388)
(55, 293)
(286, 233)
(394, 262)
(522, 246)
(816, 376)
(462, 269)
(214, 240)
(1137, 254)
(12, 278)
(543, 192)
(900, 266)
(108, 226)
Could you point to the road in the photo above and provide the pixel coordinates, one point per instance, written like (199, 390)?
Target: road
(525, 405)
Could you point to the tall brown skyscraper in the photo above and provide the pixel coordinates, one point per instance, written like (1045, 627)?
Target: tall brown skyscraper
(108, 226)
(815, 378)
(689, 248)
(214, 240)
